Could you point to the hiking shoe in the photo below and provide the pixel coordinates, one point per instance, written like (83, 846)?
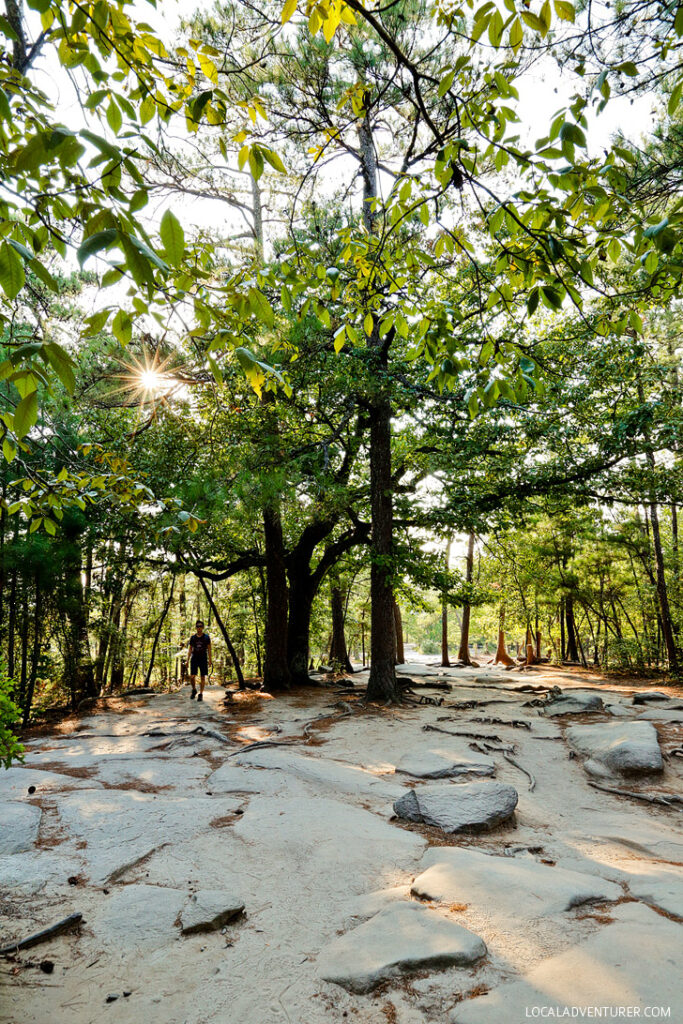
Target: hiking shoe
(200, 696)
(193, 695)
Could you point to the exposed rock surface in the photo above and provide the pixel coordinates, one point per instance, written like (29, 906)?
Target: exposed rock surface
(321, 771)
(600, 972)
(622, 748)
(468, 806)
(209, 910)
(513, 887)
(19, 824)
(139, 917)
(403, 938)
(444, 764)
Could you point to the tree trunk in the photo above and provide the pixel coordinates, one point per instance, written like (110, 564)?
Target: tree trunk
(464, 652)
(160, 624)
(572, 650)
(445, 660)
(398, 630)
(662, 593)
(382, 684)
(276, 675)
(302, 591)
(339, 655)
(259, 668)
(228, 642)
(36, 655)
(502, 657)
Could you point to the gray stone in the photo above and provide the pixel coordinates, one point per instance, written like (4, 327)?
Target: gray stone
(661, 715)
(443, 764)
(139, 917)
(401, 939)
(648, 695)
(635, 962)
(209, 910)
(624, 748)
(508, 887)
(572, 703)
(19, 824)
(469, 806)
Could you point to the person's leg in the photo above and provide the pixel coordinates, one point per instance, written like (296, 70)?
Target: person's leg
(193, 679)
(202, 682)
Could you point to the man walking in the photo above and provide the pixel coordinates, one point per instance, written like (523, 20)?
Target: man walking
(199, 657)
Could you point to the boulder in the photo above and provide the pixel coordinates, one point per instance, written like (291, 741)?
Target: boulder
(464, 807)
(622, 748)
(572, 703)
(208, 910)
(444, 764)
(648, 695)
(508, 887)
(399, 940)
(20, 824)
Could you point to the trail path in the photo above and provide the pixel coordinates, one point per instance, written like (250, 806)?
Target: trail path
(139, 823)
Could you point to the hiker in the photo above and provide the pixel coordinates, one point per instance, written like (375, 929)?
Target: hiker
(199, 657)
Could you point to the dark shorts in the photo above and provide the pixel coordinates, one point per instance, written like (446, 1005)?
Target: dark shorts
(199, 665)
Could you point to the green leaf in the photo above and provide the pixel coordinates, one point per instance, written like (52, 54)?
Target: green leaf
(5, 110)
(674, 99)
(26, 414)
(173, 238)
(114, 117)
(62, 364)
(551, 298)
(12, 275)
(628, 68)
(148, 253)
(516, 34)
(122, 327)
(260, 307)
(274, 160)
(446, 82)
(572, 133)
(8, 449)
(95, 243)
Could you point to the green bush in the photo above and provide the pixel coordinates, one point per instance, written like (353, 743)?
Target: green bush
(10, 747)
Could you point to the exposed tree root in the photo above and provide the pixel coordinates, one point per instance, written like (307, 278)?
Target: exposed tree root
(672, 801)
(516, 723)
(177, 734)
(260, 744)
(467, 735)
(532, 780)
(47, 933)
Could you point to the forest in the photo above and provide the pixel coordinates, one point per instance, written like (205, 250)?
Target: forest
(347, 332)
(305, 335)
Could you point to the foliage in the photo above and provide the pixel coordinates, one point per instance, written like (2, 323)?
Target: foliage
(10, 747)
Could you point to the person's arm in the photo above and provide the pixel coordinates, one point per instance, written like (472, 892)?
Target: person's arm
(189, 653)
(208, 651)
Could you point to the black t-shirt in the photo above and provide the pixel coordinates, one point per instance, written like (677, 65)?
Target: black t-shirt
(200, 645)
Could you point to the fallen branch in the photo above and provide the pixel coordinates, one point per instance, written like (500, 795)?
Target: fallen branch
(672, 801)
(467, 735)
(47, 933)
